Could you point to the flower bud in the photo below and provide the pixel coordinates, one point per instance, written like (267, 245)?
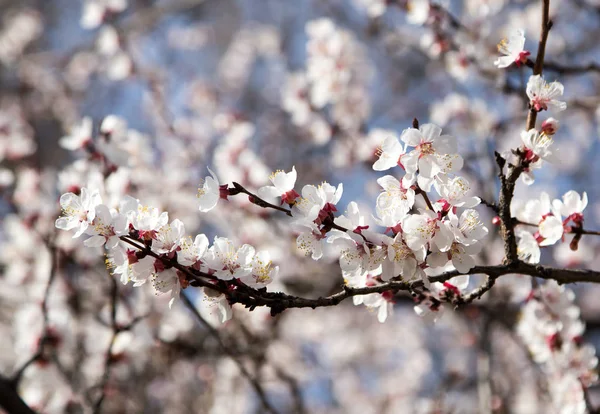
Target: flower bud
(550, 126)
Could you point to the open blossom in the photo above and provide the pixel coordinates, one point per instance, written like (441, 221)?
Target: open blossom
(166, 281)
(513, 49)
(317, 202)
(429, 144)
(528, 248)
(106, 227)
(542, 213)
(537, 146)
(283, 186)
(396, 200)
(79, 137)
(571, 206)
(461, 256)
(192, 253)
(78, 211)
(210, 192)
(391, 151)
(453, 192)
(263, 271)
(382, 303)
(542, 94)
(215, 302)
(310, 241)
(467, 228)
(168, 237)
(401, 259)
(227, 261)
(420, 230)
(146, 220)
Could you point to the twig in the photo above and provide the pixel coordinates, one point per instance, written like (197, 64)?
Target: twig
(108, 360)
(539, 61)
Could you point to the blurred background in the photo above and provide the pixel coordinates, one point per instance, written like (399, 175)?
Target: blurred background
(248, 87)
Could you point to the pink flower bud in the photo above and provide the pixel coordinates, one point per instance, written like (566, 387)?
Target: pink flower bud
(550, 126)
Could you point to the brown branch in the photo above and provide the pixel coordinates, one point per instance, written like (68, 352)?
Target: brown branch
(109, 360)
(10, 401)
(539, 61)
(565, 69)
(254, 199)
(479, 292)
(238, 292)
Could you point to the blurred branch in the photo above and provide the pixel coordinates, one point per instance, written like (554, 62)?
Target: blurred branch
(260, 392)
(10, 399)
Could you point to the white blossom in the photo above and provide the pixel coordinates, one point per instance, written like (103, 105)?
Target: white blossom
(542, 94)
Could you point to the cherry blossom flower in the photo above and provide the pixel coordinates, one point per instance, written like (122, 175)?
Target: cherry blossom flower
(391, 151)
(513, 49)
(192, 253)
(571, 206)
(401, 259)
(227, 261)
(168, 237)
(528, 248)
(317, 202)
(263, 271)
(352, 219)
(428, 143)
(383, 304)
(396, 200)
(146, 220)
(166, 281)
(211, 192)
(542, 213)
(78, 211)
(453, 192)
(537, 147)
(80, 136)
(310, 242)
(283, 186)
(461, 256)
(422, 229)
(106, 227)
(215, 302)
(467, 229)
(542, 94)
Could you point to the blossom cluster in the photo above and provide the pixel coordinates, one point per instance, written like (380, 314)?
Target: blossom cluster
(144, 247)
(415, 240)
(550, 326)
(550, 221)
(334, 77)
(542, 97)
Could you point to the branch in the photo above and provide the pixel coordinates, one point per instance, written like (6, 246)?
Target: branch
(10, 400)
(254, 199)
(108, 360)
